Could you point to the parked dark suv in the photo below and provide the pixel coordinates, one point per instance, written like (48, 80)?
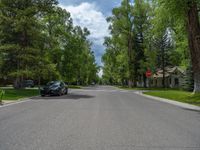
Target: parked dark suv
(28, 83)
(54, 88)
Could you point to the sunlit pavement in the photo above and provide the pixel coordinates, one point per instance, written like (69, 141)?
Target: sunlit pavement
(98, 118)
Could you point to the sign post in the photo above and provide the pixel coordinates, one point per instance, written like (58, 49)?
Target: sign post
(148, 75)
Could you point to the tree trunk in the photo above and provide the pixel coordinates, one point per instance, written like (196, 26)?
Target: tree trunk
(193, 29)
(39, 82)
(17, 84)
(130, 83)
(131, 80)
(163, 66)
(130, 61)
(145, 80)
(197, 82)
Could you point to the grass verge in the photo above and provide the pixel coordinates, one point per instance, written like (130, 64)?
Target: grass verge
(177, 95)
(151, 89)
(74, 87)
(13, 94)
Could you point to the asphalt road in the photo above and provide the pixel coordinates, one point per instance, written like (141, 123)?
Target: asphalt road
(98, 118)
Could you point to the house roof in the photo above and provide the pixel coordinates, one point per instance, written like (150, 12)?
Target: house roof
(159, 75)
(169, 71)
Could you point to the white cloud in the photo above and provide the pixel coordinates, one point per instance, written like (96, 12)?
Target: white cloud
(88, 15)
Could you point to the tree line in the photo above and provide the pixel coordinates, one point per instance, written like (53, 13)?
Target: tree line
(151, 34)
(38, 41)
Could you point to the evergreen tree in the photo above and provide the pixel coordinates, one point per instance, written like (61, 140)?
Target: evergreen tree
(163, 45)
(20, 32)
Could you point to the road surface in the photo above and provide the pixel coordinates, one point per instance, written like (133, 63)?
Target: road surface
(98, 118)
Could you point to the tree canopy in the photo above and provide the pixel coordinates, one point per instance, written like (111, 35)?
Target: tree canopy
(39, 41)
(151, 35)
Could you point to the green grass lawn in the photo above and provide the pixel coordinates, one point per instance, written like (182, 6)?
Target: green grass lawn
(12, 94)
(177, 95)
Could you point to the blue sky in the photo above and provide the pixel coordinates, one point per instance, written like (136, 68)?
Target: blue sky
(92, 14)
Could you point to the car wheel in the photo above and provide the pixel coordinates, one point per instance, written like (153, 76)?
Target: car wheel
(66, 91)
(60, 93)
(42, 95)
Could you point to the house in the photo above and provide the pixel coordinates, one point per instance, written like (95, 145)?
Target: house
(173, 77)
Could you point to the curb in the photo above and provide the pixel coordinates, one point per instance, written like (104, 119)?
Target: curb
(21, 100)
(176, 103)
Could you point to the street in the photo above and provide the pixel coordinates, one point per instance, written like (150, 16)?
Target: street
(98, 118)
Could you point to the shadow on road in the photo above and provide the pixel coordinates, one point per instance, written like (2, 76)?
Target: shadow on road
(69, 96)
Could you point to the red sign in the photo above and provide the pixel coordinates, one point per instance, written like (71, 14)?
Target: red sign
(148, 73)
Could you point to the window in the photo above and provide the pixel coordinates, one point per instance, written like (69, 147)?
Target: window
(176, 81)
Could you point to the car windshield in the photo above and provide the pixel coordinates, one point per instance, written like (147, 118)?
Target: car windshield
(53, 83)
